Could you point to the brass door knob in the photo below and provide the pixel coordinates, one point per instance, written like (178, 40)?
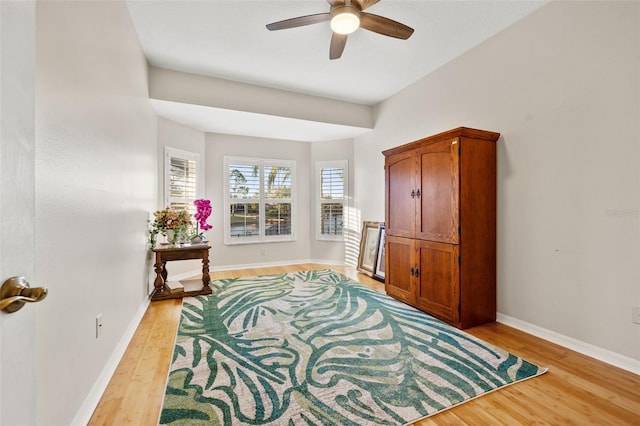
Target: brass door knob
(15, 292)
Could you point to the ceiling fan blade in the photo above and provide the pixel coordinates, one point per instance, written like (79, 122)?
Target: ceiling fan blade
(365, 4)
(385, 26)
(299, 21)
(338, 42)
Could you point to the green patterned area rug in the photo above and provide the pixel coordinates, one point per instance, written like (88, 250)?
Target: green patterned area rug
(316, 348)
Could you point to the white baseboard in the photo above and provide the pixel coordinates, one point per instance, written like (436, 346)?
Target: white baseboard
(280, 263)
(604, 355)
(95, 394)
(198, 272)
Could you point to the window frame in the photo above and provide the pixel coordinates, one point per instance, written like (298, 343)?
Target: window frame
(262, 200)
(343, 164)
(170, 153)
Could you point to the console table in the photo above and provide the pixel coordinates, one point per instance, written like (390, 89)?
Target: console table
(166, 254)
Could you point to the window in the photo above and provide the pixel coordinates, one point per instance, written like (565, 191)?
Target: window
(331, 178)
(259, 202)
(182, 182)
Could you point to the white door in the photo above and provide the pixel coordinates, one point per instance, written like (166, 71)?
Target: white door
(17, 236)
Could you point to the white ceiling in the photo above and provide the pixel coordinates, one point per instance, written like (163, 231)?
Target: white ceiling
(228, 40)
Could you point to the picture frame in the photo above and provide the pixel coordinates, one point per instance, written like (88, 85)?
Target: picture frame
(380, 258)
(368, 247)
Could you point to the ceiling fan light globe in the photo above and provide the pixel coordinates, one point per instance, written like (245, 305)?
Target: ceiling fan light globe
(345, 22)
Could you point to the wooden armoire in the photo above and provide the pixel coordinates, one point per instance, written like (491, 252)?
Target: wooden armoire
(440, 218)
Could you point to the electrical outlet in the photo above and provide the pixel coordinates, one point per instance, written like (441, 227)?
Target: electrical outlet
(635, 314)
(98, 325)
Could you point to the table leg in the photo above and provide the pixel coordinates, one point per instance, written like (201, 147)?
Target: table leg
(205, 270)
(161, 276)
(158, 283)
(164, 272)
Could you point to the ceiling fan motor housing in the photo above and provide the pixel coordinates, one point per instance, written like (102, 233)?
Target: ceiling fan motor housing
(345, 19)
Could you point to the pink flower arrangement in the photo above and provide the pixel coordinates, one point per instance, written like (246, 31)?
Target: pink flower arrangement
(203, 211)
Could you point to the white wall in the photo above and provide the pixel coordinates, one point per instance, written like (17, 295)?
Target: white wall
(96, 178)
(562, 88)
(217, 147)
(176, 135)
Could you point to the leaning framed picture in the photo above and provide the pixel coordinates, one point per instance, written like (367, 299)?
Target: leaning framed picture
(379, 271)
(368, 247)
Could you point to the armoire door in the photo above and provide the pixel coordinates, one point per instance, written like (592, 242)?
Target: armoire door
(401, 182)
(439, 279)
(399, 258)
(438, 206)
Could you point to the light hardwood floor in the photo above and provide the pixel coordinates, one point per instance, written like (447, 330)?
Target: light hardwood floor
(577, 390)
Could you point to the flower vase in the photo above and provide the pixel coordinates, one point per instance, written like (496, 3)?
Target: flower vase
(172, 236)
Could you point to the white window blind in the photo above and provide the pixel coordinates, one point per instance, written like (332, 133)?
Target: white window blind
(259, 200)
(277, 199)
(332, 188)
(181, 179)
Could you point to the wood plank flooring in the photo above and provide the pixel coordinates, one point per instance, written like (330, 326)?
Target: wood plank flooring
(577, 390)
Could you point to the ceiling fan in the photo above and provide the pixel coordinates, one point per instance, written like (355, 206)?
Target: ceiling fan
(346, 16)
